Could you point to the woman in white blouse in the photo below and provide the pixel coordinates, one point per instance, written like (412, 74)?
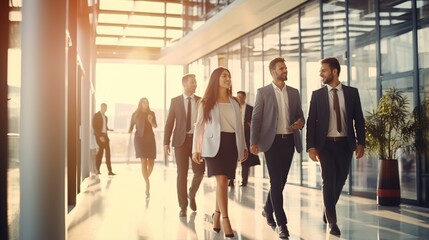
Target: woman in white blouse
(219, 140)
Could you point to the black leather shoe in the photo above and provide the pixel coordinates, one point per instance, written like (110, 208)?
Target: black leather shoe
(283, 232)
(269, 217)
(334, 230)
(182, 213)
(192, 204)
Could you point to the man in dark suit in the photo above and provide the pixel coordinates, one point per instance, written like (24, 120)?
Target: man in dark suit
(335, 128)
(275, 130)
(252, 159)
(182, 115)
(99, 124)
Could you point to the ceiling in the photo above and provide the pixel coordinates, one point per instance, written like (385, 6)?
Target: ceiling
(159, 32)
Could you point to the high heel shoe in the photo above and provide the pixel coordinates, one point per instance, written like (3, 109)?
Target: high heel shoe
(217, 230)
(227, 235)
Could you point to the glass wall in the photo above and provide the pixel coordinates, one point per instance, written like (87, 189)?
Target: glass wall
(234, 66)
(289, 42)
(310, 55)
(423, 64)
(397, 64)
(363, 75)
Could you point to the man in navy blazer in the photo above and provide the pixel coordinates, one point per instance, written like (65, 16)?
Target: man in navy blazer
(182, 142)
(275, 130)
(335, 128)
(252, 159)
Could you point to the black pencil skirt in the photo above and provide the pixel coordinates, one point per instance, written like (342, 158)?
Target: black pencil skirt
(225, 161)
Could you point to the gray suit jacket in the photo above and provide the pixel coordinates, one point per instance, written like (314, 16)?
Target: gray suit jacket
(265, 117)
(176, 114)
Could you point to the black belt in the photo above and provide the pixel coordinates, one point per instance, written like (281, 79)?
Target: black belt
(283, 136)
(336, 139)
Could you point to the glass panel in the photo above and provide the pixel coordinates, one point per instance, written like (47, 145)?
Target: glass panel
(422, 9)
(423, 47)
(334, 29)
(406, 159)
(310, 80)
(255, 79)
(234, 67)
(13, 173)
(396, 44)
(423, 53)
(13, 121)
(289, 37)
(363, 76)
(271, 48)
(397, 53)
(255, 62)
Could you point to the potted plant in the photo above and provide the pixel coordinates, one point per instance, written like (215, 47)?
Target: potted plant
(387, 131)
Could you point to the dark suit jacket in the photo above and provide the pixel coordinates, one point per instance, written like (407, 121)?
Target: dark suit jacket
(318, 118)
(177, 118)
(252, 160)
(97, 124)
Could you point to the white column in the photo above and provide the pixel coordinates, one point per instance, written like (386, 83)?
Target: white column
(43, 121)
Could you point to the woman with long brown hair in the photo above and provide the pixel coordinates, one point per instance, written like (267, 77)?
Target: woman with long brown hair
(219, 140)
(144, 139)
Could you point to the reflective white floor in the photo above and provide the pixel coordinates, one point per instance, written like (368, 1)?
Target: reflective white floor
(116, 208)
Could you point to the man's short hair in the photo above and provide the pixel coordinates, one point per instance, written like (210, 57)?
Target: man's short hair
(273, 62)
(333, 63)
(242, 92)
(186, 76)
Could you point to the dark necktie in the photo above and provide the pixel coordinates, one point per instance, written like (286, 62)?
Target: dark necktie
(337, 109)
(188, 115)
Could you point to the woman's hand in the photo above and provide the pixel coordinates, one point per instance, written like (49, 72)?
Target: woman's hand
(196, 157)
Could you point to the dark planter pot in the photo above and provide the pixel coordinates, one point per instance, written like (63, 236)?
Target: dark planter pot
(389, 190)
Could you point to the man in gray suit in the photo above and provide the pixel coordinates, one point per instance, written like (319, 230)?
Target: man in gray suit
(275, 130)
(182, 115)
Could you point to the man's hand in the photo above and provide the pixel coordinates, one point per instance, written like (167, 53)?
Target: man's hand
(299, 124)
(254, 149)
(313, 154)
(102, 139)
(360, 150)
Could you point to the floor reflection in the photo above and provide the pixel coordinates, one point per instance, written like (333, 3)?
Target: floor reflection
(116, 208)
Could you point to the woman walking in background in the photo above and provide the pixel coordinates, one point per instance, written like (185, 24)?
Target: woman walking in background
(144, 139)
(219, 140)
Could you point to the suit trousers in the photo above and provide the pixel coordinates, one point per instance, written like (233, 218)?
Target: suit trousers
(278, 159)
(183, 155)
(335, 159)
(103, 147)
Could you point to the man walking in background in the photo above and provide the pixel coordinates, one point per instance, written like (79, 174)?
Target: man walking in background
(99, 124)
(182, 115)
(252, 159)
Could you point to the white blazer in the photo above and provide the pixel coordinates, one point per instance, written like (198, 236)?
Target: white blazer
(207, 134)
